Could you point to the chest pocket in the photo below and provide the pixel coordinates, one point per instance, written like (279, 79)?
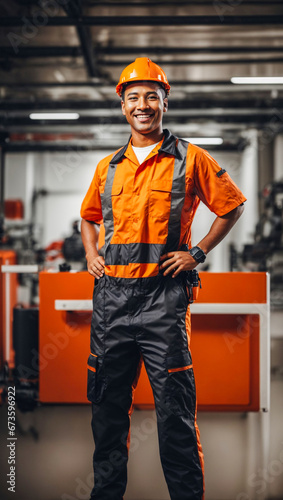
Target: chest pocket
(160, 199)
(165, 201)
(112, 202)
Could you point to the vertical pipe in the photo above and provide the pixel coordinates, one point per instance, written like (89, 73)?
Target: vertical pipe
(248, 180)
(7, 315)
(2, 187)
(265, 167)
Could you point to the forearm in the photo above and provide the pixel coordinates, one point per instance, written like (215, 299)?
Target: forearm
(95, 263)
(219, 229)
(89, 238)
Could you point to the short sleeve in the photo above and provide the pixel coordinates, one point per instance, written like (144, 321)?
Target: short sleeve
(214, 186)
(91, 206)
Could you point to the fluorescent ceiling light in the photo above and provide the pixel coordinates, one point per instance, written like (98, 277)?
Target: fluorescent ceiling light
(54, 116)
(204, 140)
(273, 80)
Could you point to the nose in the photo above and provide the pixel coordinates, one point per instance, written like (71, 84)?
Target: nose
(142, 103)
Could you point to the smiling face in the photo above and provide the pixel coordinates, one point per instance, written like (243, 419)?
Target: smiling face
(143, 105)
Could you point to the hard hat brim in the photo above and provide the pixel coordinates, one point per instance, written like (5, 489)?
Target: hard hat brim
(120, 86)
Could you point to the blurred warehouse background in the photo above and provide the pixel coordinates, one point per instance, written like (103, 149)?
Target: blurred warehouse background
(60, 61)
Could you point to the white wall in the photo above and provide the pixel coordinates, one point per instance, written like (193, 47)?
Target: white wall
(66, 176)
(19, 179)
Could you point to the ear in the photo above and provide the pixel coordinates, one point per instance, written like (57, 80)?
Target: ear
(123, 107)
(165, 104)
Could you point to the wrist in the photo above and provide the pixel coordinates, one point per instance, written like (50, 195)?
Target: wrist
(198, 254)
(91, 255)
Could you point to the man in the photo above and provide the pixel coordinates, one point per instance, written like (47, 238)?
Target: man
(146, 195)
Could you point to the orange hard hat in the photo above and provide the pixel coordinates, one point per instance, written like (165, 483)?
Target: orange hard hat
(142, 69)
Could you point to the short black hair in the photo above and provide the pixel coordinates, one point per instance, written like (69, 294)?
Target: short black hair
(125, 86)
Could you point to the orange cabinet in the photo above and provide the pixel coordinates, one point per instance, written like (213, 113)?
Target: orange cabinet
(8, 299)
(230, 341)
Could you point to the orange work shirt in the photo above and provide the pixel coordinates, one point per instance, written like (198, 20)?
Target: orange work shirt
(142, 206)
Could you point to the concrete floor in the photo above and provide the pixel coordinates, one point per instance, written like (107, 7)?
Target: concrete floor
(54, 452)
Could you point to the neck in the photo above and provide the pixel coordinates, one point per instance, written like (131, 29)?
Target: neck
(142, 140)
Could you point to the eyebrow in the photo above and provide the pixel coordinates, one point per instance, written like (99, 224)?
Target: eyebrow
(136, 93)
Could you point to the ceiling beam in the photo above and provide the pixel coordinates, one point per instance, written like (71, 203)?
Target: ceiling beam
(186, 50)
(161, 3)
(146, 20)
(111, 84)
(25, 52)
(74, 9)
(31, 84)
(184, 3)
(184, 62)
(76, 51)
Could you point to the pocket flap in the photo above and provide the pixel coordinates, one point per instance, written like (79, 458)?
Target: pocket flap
(92, 362)
(117, 189)
(181, 360)
(161, 185)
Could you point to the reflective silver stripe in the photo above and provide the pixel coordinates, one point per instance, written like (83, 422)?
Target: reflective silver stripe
(107, 210)
(177, 198)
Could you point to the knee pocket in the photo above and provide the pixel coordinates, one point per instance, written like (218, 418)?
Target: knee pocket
(96, 378)
(180, 384)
